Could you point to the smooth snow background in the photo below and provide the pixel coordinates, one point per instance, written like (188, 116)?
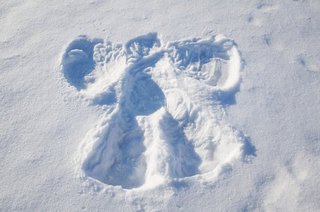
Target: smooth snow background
(43, 119)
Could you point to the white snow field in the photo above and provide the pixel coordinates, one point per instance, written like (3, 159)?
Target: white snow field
(160, 105)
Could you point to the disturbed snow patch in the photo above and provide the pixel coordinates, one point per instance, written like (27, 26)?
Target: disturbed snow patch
(164, 109)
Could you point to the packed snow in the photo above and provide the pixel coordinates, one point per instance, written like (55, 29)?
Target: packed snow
(160, 105)
(163, 105)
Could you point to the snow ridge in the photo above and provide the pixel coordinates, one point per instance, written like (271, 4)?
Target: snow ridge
(164, 109)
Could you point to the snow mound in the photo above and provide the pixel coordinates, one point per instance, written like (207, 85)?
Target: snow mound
(164, 104)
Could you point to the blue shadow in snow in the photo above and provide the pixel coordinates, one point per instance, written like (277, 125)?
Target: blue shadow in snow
(193, 52)
(77, 60)
(249, 149)
(142, 44)
(122, 148)
(178, 185)
(146, 96)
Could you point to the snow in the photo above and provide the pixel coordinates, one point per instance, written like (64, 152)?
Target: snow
(159, 106)
(146, 138)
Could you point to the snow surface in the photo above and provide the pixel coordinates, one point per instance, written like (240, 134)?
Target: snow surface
(160, 105)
